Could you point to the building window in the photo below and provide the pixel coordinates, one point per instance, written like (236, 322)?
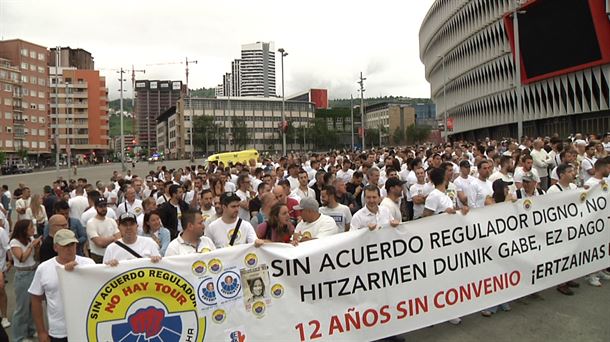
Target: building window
(8, 87)
(41, 106)
(42, 144)
(8, 143)
(41, 70)
(33, 80)
(8, 115)
(24, 66)
(32, 54)
(24, 78)
(34, 144)
(32, 67)
(41, 56)
(42, 132)
(24, 52)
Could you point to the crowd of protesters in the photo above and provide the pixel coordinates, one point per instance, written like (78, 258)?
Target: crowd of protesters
(291, 199)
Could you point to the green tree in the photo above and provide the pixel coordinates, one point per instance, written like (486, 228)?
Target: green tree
(240, 134)
(399, 136)
(205, 133)
(22, 153)
(418, 134)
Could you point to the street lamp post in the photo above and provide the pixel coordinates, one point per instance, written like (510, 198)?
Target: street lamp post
(121, 117)
(351, 102)
(283, 54)
(445, 100)
(517, 61)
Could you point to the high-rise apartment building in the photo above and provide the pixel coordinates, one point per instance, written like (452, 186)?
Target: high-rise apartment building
(72, 58)
(23, 100)
(257, 70)
(152, 99)
(79, 114)
(236, 78)
(227, 84)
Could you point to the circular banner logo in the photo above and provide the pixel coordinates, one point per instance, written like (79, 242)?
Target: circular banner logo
(228, 284)
(148, 304)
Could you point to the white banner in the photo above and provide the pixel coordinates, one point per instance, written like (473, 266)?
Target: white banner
(360, 285)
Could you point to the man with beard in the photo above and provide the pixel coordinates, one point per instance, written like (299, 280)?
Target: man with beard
(102, 231)
(338, 212)
(191, 240)
(206, 204)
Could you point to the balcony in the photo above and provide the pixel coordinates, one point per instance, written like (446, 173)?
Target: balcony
(18, 121)
(17, 109)
(19, 135)
(17, 95)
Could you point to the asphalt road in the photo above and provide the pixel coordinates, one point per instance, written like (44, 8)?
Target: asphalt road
(582, 317)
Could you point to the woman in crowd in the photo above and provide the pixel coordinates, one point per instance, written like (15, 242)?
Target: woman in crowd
(37, 214)
(600, 152)
(23, 247)
(153, 228)
(216, 186)
(277, 228)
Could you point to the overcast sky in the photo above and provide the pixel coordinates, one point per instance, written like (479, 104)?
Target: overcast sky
(329, 42)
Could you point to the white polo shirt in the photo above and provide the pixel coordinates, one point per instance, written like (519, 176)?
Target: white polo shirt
(322, 227)
(363, 217)
(179, 247)
(46, 283)
(126, 207)
(221, 233)
(96, 227)
(145, 246)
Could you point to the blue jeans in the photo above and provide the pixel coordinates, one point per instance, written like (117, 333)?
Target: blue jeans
(23, 323)
(501, 306)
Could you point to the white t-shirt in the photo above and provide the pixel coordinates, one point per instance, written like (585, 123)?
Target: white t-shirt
(309, 193)
(230, 187)
(363, 217)
(99, 228)
(465, 185)
(23, 204)
(438, 202)
(78, 205)
(322, 227)
(346, 176)
(558, 188)
(4, 248)
(420, 190)
(145, 246)
(46, 283)
(126, 207)
(340, 214)
(91, 213)
(221, 233)
(294, 183)
(393, 207)
(592, 181)
(481, 189)
(179, 247)
(518, 176)
(586, 165)
(29, 262)
(244, 214)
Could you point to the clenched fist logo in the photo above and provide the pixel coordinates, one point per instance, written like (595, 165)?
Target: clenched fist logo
(147, 321)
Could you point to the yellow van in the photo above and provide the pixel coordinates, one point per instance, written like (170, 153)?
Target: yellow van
(234, 157)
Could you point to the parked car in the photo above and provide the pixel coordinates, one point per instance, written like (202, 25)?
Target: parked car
(21, 168)
(6, 170)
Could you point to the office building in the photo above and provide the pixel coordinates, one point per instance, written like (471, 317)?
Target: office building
(236, 78)
(318, 96)
(72, 58)
(258, 70)
(81, 115)
(387, 118)
(153, 98)
(24, 98)
(235, 124)
(425, 114)
(469, 47)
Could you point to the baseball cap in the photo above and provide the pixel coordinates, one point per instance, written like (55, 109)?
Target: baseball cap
(530, 177)
(393, 182)
(64, 237)
(101, 201)
(499, 185)
(228, 197)
(125, 217)
(580, 142)
(308, 203)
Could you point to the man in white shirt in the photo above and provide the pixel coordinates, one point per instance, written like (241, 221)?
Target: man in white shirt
(245, 194)
(338, 212)
(191, 240)
(566, 175)
(565, 157)
(45, 287)
(101, 231)
(304, 191)
(541, 162)
(393, 187)
(314, 225)
(78, 204)
(206, 204)
(586, 166)
(463, 185)
(346, 172)
(130, 245)
(131, 204)
(91, 212)
(438, 201)
(229, 229)
(505, 173)
(482, 187)
(293, 176)
(372, 215)
(22, 204)
(527, 163)
(530, 186)
(419, 191)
